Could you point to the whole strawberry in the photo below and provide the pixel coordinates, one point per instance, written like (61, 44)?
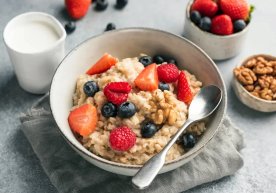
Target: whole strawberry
(205, 7)
(122, 139)
(236, 9)
(222, 25)
(77, 8)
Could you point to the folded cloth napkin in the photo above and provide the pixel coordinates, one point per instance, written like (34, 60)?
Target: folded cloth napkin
(70, 173)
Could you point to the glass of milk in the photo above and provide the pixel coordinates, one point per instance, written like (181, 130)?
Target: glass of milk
(35, 44)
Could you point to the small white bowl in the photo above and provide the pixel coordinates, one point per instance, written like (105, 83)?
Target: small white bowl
(130, 43)
(250, 100)
(217, 47)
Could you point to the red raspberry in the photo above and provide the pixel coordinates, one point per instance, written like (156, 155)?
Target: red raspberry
(222, 25)
(184, 92)
(122, 138)
(207, 8)
(117, 92)
(167, 73)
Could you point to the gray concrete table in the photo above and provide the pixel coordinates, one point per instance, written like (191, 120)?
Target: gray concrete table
(20, 170)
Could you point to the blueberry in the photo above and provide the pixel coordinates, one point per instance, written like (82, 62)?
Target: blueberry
(110, 26)
(163, 86)
(189, 141)
(239, 25)
(158, 59)
(90, 88)
(101, 5)
(205, 24)
(195, 17)
(109, 110)
(126, 110)
(70, 27)
(148, 130)
(145, 60)
(171, 61)
(120, 4)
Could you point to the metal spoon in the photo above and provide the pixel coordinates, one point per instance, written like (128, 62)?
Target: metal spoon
(203, 105)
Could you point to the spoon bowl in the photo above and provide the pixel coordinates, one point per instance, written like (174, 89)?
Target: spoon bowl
(202, 106)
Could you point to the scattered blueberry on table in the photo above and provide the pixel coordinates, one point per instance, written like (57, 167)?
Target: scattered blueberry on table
(70, 27)
(110, 26)
(101, 5)
(120, 4)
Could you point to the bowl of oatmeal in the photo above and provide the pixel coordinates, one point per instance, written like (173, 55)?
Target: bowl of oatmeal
(119, 97)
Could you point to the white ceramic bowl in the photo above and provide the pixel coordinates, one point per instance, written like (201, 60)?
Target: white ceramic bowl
(217, 47)
(249, 99)
(130, 43)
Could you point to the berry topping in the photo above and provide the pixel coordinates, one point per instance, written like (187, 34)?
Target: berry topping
(205, 7)
(163, 86)
(122, 138)
(102, 65)
(90, 88)
(239, 25)
(101, 5)
(109, 110)
(189, 141)
(110, 26)
(148, 130)
(77, 8)
(70, 27)
(158, 59)
(83, 120)
(236, 9)
(195, 17)
(148, 79)
(167, 73)
(184, 92)
(222, 25)
(205, 24)
(171, 61)
(120, 4)
(117, 92)
(145, 60)
(126, 110)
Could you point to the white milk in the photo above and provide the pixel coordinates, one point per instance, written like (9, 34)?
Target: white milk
(32, 36)
(35, 43)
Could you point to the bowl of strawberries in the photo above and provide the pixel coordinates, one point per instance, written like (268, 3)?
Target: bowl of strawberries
(219, 27)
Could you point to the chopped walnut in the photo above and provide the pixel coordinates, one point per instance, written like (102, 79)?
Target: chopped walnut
(245, 75)
(273, 85)
(249, 87)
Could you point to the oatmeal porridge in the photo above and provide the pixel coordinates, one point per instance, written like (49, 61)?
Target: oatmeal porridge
(126, 111)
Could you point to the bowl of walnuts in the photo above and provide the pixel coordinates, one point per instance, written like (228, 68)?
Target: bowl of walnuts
(254, 82)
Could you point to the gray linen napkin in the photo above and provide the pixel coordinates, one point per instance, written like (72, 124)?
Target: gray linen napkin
(70, 173)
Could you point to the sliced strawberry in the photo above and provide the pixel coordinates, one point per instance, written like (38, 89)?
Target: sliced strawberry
(184, 92)
(83, 120)
(148, 79)
(102, 65)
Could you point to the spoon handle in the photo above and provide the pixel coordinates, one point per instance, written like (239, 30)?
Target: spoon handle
(148, 172)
